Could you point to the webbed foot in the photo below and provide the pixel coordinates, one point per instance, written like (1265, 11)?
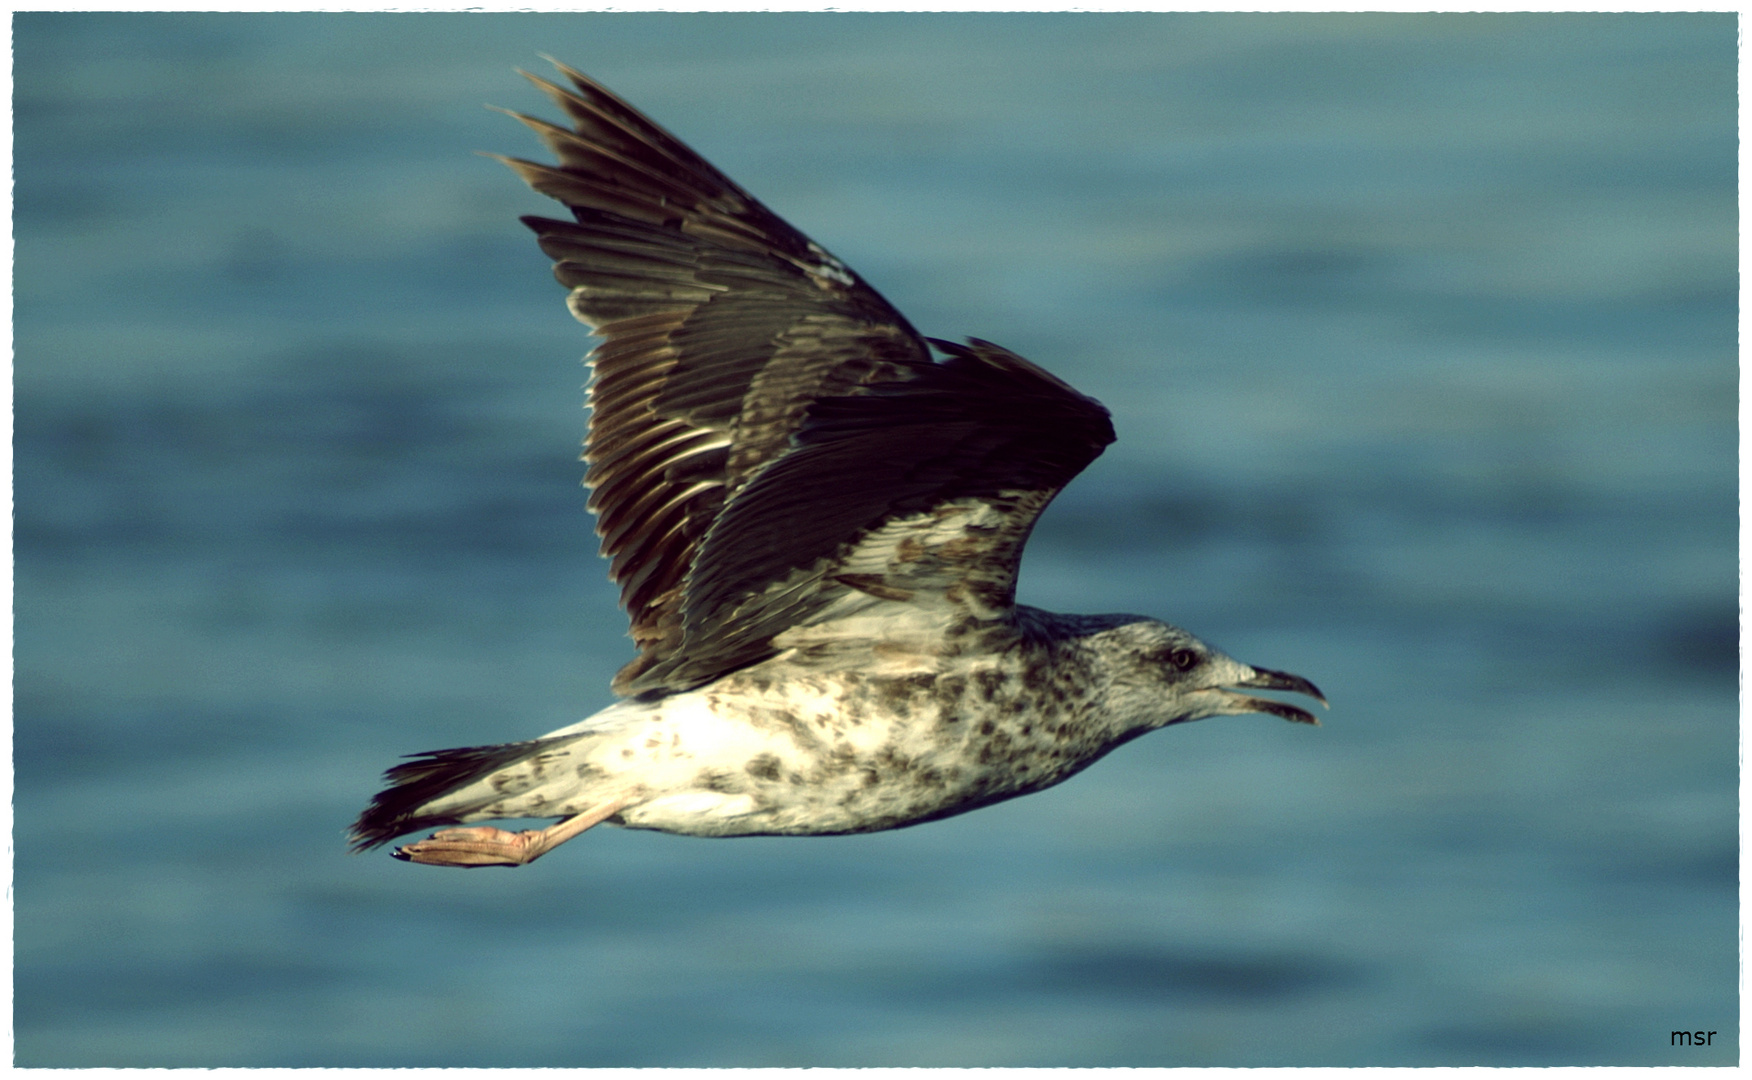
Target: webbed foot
(483, 845)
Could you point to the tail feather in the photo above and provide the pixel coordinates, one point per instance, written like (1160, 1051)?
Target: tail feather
(431, 775)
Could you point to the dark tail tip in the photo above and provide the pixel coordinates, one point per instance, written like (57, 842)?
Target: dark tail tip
(431, 775)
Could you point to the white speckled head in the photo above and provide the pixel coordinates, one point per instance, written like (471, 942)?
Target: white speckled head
(1159, 674)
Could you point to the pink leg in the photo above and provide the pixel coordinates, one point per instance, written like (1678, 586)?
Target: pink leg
(486, 846)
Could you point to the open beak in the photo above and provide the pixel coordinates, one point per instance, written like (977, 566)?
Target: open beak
(1267, 679)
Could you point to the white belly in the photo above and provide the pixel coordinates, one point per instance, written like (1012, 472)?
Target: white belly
(753, 756)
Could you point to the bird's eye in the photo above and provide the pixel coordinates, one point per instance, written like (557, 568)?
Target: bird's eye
(1182, 659)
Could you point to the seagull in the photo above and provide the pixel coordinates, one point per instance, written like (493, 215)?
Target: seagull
(815, 526)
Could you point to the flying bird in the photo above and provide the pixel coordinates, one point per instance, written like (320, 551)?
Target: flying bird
(815, 526)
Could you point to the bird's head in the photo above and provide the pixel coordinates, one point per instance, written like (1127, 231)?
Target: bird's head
(1159, 675)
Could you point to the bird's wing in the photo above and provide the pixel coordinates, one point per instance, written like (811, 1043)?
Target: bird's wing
(897, 521)
(719, 324)
(759, 414)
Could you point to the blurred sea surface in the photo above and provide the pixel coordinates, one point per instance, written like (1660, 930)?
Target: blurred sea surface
(1420, 336)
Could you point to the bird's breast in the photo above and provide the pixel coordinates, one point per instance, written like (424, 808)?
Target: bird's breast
(849, 752)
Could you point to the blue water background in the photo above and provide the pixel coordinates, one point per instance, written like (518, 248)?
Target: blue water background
(1420, 338)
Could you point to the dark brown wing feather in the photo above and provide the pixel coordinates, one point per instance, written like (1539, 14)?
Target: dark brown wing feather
(719, 323)
(757, 411)
(985, 425)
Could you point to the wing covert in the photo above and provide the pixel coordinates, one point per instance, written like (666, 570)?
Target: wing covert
(921, 492)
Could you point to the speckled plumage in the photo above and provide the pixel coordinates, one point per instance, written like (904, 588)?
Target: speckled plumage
(816, 528)
(781, 749)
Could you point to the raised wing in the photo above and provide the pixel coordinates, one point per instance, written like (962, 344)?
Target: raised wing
(765, 426)
(720, 324)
